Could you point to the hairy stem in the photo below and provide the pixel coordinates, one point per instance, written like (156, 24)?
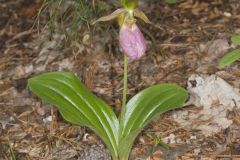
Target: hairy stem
(124, 99)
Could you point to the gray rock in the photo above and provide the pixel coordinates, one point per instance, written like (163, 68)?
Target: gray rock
(95, 152)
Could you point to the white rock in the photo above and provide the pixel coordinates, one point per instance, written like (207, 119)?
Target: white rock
(47, 119)
(215, 98)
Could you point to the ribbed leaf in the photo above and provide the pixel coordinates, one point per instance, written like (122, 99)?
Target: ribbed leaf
(143, 107)
(77, 105)
(229, 58)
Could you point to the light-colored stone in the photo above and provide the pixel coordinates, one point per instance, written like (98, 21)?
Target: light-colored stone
(214, 98)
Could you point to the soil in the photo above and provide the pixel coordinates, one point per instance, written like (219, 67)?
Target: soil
(185, 38)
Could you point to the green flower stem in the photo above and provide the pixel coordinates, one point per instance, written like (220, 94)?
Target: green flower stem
(124, 99)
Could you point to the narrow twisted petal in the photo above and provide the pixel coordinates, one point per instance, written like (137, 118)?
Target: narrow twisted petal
(132, 41)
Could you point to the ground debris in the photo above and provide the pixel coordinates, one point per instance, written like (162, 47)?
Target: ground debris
(213, 51)
(187, 37)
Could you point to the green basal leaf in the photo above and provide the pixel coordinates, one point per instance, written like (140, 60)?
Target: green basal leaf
(229, 58)
(170, 1)
(143, 107)
(77, 105)
(236, 39)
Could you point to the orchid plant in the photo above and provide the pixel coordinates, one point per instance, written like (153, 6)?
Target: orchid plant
(79, 106)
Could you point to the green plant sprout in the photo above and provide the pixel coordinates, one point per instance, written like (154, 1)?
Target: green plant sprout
(79, 106)
(232, 56)
(11, 154)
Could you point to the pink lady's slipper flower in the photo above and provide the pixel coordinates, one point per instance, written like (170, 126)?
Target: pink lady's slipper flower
(132, 41)
(131, 38)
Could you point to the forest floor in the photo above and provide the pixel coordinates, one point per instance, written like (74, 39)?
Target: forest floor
(187, 38)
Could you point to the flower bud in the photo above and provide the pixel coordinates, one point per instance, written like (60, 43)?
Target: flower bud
(132, 41)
